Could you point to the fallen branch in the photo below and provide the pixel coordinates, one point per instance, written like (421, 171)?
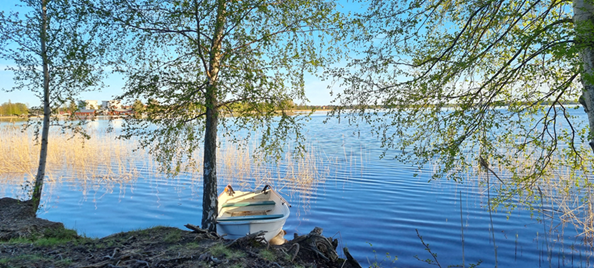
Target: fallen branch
(195, 228)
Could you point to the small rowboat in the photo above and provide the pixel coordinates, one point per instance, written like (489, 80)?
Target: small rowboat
(242, 213)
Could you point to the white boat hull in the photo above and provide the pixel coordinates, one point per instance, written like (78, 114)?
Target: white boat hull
(243, 213)
(234, 230)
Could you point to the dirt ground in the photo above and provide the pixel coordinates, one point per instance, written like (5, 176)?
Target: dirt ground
(26, 241)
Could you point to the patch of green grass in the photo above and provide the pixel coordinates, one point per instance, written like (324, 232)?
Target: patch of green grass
(33, 259)
(50, 241)
(25, 257)
(61, 233)
(49, 237)
(219, 250)
(192, 245)
(173, 236)
(152, 231)
(17, 240)
(137, 232)
(106, 243)
(64, 262)
(142, 231)
(110, 243)
(188, 246)
(267, 255)
(236, 254)
(288, 257)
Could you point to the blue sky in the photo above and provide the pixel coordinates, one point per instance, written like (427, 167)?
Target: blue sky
(316, 90)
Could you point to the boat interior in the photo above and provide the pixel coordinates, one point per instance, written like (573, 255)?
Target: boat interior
(247, 204)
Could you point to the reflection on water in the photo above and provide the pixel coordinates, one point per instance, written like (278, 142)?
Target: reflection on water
(561, 197)
(100, 162)
(12, 120)
(372, 206)
(97, 166)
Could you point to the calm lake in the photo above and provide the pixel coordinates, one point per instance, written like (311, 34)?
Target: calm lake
(373, 206)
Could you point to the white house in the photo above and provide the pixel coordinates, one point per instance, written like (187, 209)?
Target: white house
(111, 105)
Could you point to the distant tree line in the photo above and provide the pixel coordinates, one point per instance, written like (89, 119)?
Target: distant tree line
(11, 109)
(153, 105)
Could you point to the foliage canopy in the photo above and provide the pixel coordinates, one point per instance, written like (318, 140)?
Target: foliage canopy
(55, 54)
(469, 85)
(215, 65)
(10, 109)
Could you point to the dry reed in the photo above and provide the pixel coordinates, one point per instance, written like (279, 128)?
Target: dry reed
(244, 167)
(562, 193)
(103, 162)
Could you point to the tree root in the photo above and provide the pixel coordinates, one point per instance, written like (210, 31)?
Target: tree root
(320, 247)
(296, 245)
(350, 259)
(204, 233)
(323, 247)
(249, 240)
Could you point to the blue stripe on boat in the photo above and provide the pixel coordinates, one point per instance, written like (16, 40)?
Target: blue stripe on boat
(252, 218)
(249, 204)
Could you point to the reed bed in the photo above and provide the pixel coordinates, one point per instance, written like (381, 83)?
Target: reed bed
(246, 168)
(562, 196)
(101, 161)
(104, 162)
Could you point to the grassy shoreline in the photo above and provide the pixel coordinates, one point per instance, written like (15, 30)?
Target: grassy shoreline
(34, 242)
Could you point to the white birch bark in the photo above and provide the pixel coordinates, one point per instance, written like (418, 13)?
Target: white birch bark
(584, 18)
(38, 186)
(209, 198)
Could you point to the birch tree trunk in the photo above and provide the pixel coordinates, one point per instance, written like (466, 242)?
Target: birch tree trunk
(38, 187)
(209, 198)
(583, 11)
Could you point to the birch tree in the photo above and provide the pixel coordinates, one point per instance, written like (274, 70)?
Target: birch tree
(217, 68)
(583, 20)
(469, 86)
(55, 57)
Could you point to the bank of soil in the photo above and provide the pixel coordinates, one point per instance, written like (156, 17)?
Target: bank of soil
(27, 241)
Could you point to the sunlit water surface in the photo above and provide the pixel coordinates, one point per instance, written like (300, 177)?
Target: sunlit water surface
(373, 206)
